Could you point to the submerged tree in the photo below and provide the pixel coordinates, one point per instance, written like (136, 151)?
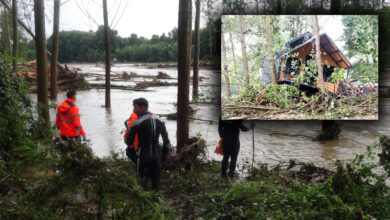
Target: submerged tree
(108, 55)
(15, 35)
(335, 6)
(195, 78)
(54, 54)
(184, 64)
(40, 45)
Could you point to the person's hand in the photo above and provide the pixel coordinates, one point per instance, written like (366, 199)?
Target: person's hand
(84, 138)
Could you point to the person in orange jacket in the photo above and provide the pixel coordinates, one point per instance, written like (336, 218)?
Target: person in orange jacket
(132, 149)
(68, 118)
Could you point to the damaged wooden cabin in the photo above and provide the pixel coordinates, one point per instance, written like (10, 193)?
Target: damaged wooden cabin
(292, 61)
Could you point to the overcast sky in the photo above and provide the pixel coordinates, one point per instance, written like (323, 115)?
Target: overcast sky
(143, 17)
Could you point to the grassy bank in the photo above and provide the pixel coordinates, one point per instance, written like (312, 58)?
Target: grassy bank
(43, 177)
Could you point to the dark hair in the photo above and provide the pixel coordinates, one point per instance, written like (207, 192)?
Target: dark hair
(70, 93)
(141, 102)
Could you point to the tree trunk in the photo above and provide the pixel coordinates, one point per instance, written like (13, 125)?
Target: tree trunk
(279, 7)
(270, 51)
(330, 130)
(40, 45)
(183, 73)
(108, 53)
(318, 51)
(195, 78)
(54, 57)
(225, 66)
(243, 50)
(335, 6)
(15, 36)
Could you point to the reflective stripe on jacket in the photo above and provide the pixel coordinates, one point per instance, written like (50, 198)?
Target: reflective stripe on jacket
(68, 119)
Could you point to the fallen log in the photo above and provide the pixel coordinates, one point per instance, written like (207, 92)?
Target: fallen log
(102, 86)
(253, 107)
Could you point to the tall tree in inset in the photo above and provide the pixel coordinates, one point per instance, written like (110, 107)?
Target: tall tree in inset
(243, 50)
(318, 51)
(15, 35)
(40, 46)
(108, 55)
(195, 78)
(271, 55)
(232, 44)
(54, 54)
(225, 66)
(183, 67)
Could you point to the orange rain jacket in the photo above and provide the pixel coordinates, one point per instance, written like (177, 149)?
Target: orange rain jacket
(132, 118)
(68, 119)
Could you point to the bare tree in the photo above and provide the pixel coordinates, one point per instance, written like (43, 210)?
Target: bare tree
(40, 45)
(243, 50)
(54, 57)
(225, 66)
(183, 73)
(15, 35)
(318, 51)
(270, 50)
(195, 78)
(108, 55)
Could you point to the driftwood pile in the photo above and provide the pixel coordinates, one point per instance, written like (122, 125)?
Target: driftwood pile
(188, 156)
(153, 83)
(67, 78)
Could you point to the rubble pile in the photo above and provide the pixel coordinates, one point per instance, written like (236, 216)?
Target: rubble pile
(352, 89)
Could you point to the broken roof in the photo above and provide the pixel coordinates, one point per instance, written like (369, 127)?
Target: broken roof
(328, 45)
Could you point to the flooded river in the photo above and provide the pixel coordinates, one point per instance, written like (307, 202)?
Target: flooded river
(274, 140)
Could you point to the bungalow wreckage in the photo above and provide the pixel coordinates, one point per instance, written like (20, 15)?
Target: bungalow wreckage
(292, 62)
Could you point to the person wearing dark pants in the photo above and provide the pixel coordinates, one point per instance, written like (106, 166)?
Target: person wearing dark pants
(229, 131)
(149, 128)
(68, 119)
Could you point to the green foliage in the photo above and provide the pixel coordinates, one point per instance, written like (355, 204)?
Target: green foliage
(15, 115)
(284, 98)
(361, 42)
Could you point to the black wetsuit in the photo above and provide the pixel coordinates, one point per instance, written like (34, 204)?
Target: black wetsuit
(149, 127)
(229, 131)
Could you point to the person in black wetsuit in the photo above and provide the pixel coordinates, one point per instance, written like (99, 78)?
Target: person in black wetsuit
(149, 128)
(229, 131)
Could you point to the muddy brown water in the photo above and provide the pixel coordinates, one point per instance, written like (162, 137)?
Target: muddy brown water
(274, 140)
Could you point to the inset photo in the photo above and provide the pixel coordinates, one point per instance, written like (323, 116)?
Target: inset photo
(299, 67)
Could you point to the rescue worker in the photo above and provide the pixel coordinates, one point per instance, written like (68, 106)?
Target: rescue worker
(149, 128)
(131, 150)
(68, 118)
(229, 131)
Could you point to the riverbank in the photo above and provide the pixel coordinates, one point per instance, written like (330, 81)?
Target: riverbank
(67, 181)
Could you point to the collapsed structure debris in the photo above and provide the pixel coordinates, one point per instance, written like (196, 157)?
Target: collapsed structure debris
(68, 78)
